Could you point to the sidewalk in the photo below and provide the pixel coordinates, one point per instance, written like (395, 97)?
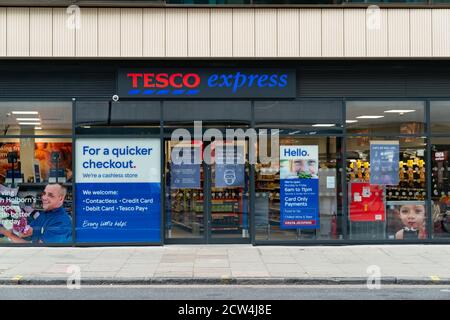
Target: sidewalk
(227, 264)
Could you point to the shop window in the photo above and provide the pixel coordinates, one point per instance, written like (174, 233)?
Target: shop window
(440, 191)
(385, 117)
(278, 206)
(208, 111)
(300, 116)
(296, 1)
(36, 118)
(91, 113)
(147, 113)
(122, 117)
(386, 188)
(440, 117)
(389, 1)
(33, 208)
(211, 2)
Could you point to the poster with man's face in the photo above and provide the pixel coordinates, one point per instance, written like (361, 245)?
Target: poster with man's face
(21, 206)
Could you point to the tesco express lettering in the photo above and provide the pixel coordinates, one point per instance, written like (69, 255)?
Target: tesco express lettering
(191, 80)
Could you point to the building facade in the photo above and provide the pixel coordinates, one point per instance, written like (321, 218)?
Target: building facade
(338, 113)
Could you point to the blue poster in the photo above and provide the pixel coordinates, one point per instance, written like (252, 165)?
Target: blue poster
(299, 187)
(384, 162)
(118, 191)
(229, 175)
(118, 212)
(230, 165)
(185, 176)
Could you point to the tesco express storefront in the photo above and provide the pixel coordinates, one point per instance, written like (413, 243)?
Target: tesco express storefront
(222, 152)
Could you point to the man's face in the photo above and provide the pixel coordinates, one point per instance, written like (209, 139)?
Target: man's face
(52, 197)
(412, 216)
(312, 168)
(299, 166)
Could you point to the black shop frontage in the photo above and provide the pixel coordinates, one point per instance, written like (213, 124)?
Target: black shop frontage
(261, 152)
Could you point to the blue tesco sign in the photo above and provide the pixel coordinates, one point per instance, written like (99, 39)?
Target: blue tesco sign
(206, 83)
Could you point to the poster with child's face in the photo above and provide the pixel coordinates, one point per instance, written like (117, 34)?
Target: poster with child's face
(407, 220)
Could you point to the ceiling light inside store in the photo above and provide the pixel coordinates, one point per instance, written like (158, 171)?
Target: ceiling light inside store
(276, 131)
(399, 111)
(294, 132)
(351, 121)
(369, 117)
(24, 112)
(28, 119)
(323, 125)
(30, 123)
(37, 128)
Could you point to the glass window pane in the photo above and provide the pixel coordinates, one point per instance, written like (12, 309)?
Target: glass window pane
(440, 192)
(36, 118)
(189, 111)
(300, 116)
(136, 113)
(381, 211)
(92, 113)
(101, 117)
(440, 116)
(208, 1)
(267, 196)
(29, 168)
(385, 117)
(388, 1)
(295, 1)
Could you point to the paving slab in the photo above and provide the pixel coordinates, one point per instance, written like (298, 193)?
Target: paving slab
(228, 264)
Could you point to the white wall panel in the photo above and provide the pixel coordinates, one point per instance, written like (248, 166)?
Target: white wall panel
(355, 32)
(288, 32)
(332, 33)
(421, 39)
(441, 32)
(18, 32)
(243, 32)
(63, 34)
(221, 32)
(266, 32)
(131, 32)
(2, 32)
(87, 35)
(41, 21)
(109, 32)
(310, 32)
(176, 33)
(376, 34)
(226, 32)
(199, 29)
(154, 32)
(398, 33)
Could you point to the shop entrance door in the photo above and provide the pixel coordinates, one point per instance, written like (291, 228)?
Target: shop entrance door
(206, 201)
